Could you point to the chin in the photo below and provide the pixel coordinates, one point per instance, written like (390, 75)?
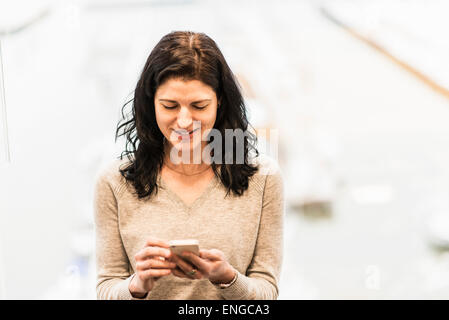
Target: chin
(187, 145)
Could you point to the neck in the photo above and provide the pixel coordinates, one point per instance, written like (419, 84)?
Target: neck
(190, 168)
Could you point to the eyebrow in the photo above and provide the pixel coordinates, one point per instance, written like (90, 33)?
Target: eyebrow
(174, 101)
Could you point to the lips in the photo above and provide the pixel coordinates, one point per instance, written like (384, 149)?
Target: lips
(185, 132)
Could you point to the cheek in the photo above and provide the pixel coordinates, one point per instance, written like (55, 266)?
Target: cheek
(163, 120)
(208, 120)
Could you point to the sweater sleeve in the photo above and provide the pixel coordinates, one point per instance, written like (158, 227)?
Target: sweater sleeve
(262, 276)
(112, 262)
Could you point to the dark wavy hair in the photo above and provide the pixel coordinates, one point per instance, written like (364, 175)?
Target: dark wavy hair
(188, 56)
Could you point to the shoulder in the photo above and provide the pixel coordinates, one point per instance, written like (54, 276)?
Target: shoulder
(267, 165)
(108, 173)
(269, 174)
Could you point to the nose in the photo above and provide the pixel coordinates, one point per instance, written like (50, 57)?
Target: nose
(184, 118)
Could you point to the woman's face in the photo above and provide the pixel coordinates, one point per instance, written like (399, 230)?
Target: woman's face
(184, 111)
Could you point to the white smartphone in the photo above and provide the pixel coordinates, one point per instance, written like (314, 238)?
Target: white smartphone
(179, 246)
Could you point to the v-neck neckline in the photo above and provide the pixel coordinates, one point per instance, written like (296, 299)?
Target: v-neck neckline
(197, 202)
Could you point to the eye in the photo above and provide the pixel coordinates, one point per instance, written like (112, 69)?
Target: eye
(169, 108)
(200, 108)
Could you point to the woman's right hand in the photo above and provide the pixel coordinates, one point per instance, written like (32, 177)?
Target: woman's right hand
(151, 264)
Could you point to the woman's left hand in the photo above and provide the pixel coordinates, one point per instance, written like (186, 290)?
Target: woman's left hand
(210, 264)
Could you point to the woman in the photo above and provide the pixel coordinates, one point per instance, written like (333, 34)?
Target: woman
(233, 206)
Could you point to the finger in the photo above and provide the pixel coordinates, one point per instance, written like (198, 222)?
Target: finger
(179, 273)
(213, 254)
(187, 268)
(198, 274)
(161, 264)
(155, 273)
(196, 261)
(154, 242)
(158, 251)
(155, 264)
(182, 264)
(150, 252)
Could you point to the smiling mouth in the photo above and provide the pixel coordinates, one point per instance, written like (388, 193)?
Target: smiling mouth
(185, 132)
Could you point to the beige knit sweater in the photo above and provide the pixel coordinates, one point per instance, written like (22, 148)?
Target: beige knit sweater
(248, 229)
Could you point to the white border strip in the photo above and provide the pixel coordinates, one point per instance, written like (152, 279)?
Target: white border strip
(3, 109)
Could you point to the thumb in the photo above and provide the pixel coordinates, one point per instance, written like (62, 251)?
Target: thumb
(210, 255)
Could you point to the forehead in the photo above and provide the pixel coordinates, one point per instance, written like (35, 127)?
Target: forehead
(184, 91)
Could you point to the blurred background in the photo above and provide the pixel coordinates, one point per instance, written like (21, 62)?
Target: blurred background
(357, 92)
